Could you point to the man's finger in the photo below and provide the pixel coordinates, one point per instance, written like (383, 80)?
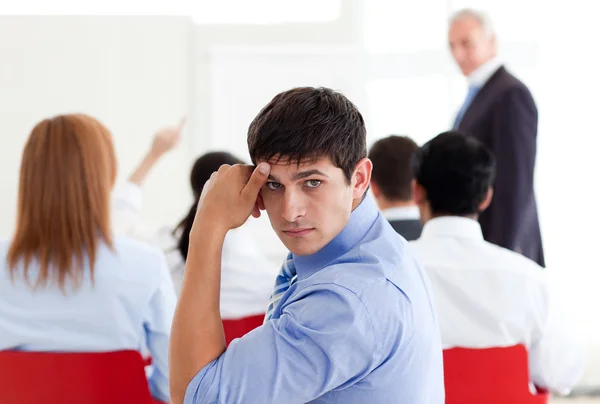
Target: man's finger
(256, 181)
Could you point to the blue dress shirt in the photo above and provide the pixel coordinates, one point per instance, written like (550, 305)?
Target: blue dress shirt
(357, 327)
(130, 305)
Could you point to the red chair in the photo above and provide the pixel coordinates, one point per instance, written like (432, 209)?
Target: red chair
(237, 328)
(490, 376)
(234, 328)
(73, 378)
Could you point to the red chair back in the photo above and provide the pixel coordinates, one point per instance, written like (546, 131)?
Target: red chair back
(237, 328)
(491, 376)
(73, 378)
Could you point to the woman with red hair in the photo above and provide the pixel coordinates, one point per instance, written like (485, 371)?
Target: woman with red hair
(66, 283)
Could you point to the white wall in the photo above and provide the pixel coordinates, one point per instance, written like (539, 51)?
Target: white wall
(132, 73)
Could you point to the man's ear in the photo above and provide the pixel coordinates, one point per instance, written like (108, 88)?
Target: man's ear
(258, 206)
(361, 178)
(494, 44)
(488, 199)
(418, 192)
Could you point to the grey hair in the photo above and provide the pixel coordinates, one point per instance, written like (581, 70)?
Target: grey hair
(480, 16)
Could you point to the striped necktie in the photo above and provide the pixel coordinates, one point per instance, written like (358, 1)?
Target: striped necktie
(286, 278)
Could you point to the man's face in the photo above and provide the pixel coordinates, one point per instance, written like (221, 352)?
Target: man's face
(308, 204)
(470, 45)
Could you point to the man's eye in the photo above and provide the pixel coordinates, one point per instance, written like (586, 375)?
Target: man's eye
(313, 183)
(273, 185)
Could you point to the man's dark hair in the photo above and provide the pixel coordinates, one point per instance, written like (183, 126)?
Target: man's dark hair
(392, 166)
(456, 172)
(309, 123)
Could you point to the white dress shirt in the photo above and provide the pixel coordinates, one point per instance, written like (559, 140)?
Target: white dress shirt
(247, 277)
(482, 74)
(488, 296)
(130, 305)
(126, 205)
(401, 213)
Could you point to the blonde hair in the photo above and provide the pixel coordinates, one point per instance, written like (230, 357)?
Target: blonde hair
(68, 170)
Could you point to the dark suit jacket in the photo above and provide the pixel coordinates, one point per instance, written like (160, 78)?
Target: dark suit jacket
(504, 117)
(409, 229)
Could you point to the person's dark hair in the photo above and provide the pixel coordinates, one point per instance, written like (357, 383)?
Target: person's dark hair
(203, 168)
(456, 172)
(307, 124)
(392, 166)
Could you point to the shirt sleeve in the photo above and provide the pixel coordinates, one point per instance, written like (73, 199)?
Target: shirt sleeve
(324, 340)
(125, 207)
(556, 359)
(158, 328)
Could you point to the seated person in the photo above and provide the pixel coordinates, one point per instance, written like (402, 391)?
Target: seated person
(486, 296)
(351, 318)
(391, 184)
(247, 278)
(66, 282)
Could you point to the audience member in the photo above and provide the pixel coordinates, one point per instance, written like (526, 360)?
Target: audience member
(486, 295)
(391, 183)
(351, 318)
(67, 283)
(246, 276)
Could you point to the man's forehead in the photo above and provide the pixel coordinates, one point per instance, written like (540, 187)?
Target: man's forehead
(302, 164)
(294, 170)
(466, 24)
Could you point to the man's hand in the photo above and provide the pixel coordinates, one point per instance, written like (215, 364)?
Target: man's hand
(231, 195)
(166, 139)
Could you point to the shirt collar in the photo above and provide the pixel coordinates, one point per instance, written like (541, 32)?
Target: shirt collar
(361, 220)
(483, 73)
(452, 226)
(401, 213)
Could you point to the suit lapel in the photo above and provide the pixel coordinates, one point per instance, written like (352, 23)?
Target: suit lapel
(486, 91)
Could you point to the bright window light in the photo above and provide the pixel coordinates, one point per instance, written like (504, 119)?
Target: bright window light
(265, 12)
(405, 26)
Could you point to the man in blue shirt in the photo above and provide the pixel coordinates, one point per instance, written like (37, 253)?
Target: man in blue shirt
(351, 318)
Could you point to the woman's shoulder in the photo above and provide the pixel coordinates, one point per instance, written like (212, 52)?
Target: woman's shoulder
(127, 244)
(140, 254)
(129, 259)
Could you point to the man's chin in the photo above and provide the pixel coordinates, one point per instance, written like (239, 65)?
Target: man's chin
(301, 247)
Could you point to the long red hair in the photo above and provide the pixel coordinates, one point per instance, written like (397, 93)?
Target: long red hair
(68, 170)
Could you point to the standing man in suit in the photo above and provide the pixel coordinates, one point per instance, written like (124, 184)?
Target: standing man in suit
(391, 183)
(500, 112)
